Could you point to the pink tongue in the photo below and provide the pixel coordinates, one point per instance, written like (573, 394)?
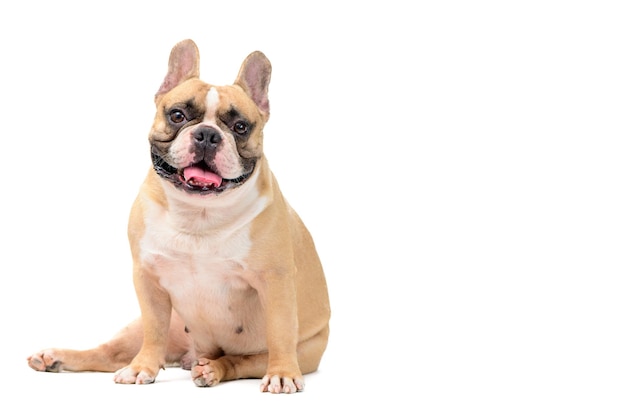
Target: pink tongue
(198, 176)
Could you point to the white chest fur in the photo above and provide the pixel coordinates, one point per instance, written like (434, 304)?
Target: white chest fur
(199, 253)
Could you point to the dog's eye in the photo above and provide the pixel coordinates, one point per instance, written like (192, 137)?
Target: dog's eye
(177, 116)
(241, 127)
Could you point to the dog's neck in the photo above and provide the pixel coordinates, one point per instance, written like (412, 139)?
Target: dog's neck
(201, 213)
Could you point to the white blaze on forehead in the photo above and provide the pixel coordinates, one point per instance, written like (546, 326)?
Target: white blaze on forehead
(212, 103)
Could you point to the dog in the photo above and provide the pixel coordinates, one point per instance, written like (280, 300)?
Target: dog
(227, 276)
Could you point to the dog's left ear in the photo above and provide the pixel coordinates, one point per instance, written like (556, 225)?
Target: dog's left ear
(254, 78)
(184, 64)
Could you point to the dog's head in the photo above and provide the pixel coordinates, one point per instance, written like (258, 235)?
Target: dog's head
(207, 139)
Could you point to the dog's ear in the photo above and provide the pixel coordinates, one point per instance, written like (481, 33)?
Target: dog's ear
(254, 78)
(184, 64)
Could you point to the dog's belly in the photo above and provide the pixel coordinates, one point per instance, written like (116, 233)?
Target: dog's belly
(221, 311)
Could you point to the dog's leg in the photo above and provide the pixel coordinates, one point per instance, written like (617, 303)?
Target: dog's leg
(156, 315)
(207, 372)
(108, 357)
(309, 354)
(116, 353)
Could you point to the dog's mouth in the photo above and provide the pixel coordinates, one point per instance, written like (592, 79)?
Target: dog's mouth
(197, 178)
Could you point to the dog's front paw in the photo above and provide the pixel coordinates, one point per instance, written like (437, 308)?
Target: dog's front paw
(277, 384)
(45, 361)
(206, 373)
(133, 375)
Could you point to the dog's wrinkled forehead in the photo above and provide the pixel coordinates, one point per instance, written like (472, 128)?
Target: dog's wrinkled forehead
(201, 101)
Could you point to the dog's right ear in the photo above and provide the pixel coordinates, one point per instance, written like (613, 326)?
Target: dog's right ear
(184, 64)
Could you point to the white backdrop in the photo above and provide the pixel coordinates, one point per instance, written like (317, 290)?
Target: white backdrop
(460, 165)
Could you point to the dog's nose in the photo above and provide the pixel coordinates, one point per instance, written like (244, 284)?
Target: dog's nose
(207, 136)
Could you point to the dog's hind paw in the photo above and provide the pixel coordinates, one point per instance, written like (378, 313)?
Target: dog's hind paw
(206, 373)
(45, 361)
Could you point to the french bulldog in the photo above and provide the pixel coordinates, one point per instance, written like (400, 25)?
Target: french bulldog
(227, 276)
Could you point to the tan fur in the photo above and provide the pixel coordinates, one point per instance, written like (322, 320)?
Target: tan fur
(238, 271)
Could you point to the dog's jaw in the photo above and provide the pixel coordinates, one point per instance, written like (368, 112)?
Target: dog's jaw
(191, 185)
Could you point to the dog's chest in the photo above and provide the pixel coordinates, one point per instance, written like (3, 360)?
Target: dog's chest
(201, 263)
